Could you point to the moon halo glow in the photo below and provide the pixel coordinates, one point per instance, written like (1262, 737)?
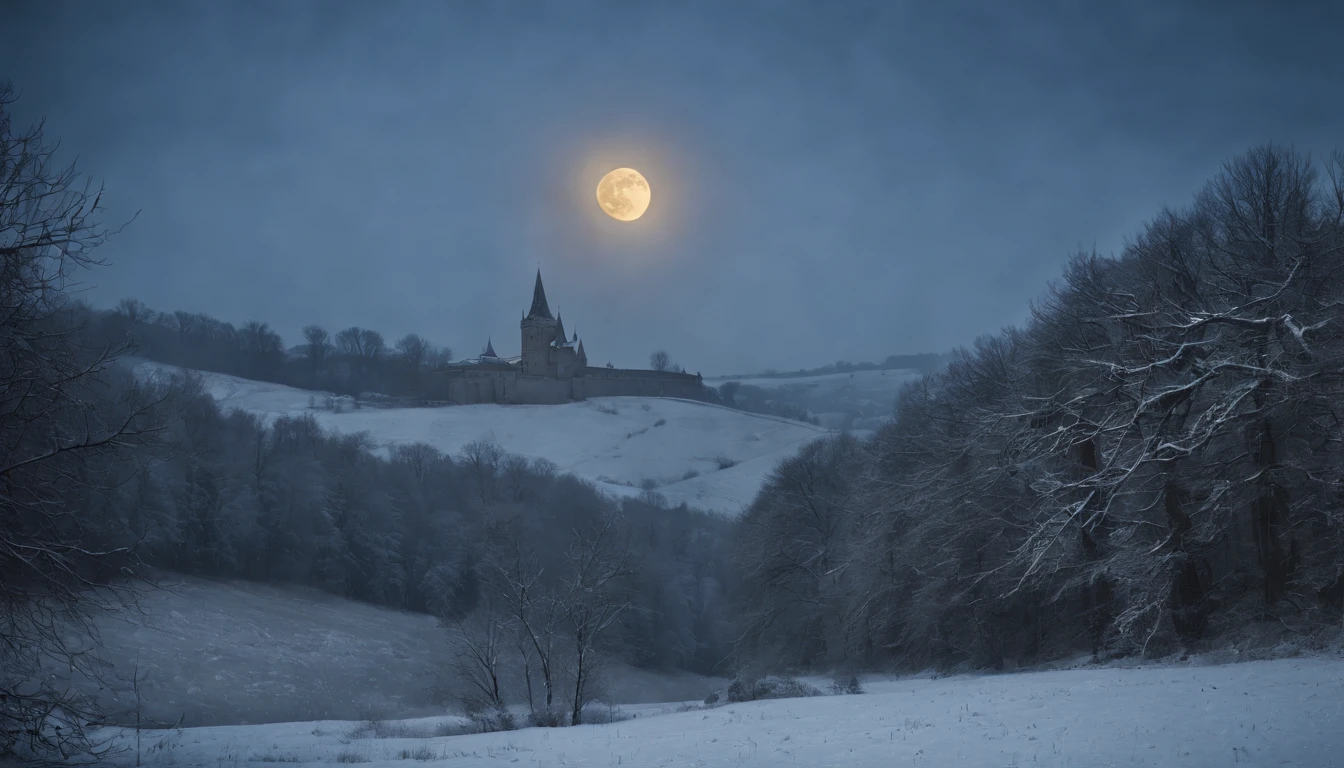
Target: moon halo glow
(623, 194)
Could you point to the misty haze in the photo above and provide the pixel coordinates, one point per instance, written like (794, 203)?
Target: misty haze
(755, 383)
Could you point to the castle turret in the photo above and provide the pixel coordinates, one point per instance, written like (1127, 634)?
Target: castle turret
(540, 310)
(538, 331)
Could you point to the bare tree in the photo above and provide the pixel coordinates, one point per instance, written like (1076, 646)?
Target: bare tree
(56, 428)
(593, 597)
(351, 341)
(416, 353)
(439, 358)
(135, 313)
(515, 574)
(478, 649)
(263, 348)
(660, 360)
(318, 344)
(365, 346)
(482, 460)
(371, 345)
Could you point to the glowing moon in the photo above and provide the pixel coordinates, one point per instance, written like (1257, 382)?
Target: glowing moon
(623, 194)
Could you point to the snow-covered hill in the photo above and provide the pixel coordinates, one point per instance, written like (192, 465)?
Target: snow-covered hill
(707, 456)
(1273, 713)
(858, 400)
(883, 382)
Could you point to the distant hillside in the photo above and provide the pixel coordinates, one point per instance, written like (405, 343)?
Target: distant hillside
(857, 397)
(706, 456)
(924, 363)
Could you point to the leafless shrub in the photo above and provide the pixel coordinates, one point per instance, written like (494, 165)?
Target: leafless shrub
(769, 688)
(59, 432)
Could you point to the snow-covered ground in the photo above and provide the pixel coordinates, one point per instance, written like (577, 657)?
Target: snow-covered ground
(619, 443)
(1270, 713)
(237, 652)
(884, 381)
(857, 400)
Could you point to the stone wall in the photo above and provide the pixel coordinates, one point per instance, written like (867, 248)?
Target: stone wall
(543, 390)
(503, 383)
(625, 382)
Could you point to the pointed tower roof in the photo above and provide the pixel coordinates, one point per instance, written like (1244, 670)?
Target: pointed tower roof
(582, 355)
(539, 308)
(559, 331)
(489, 349)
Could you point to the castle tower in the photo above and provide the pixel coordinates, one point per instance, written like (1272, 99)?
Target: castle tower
(538, 330)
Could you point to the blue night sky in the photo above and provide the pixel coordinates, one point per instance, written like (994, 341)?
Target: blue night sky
(836, 180)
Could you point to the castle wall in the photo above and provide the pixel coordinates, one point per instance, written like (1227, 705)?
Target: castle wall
(626, 382)
(543, 390)
(467, 386)
(505, 384)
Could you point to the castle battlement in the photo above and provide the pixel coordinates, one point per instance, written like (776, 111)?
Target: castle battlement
(552, 368)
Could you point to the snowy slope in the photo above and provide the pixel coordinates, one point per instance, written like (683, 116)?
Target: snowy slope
(237, 652)
(1258, 714)
(617, 442)
(884, 382)
(858, 400)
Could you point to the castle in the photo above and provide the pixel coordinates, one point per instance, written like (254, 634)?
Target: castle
(553, 368)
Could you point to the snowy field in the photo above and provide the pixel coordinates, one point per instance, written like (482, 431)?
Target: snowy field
(885, 382)
(620, 443)
(1269, 713)
(236, 652)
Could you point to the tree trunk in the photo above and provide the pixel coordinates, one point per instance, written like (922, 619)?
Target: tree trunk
(576, 717)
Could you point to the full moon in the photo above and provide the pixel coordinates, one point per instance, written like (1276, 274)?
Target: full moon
(623, 194)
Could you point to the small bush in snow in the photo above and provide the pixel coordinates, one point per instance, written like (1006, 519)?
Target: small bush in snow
(690, 473)
(376, 728)
(659, 422)
(843, 684)
(724, 462)
(547, 718)
(770, 688)
(493, 719)
(420, 753)
(351, 757)
(599, 713)
(648, 483)
(607, 409)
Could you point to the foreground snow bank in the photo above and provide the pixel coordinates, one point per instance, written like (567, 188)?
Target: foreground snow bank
(1273, 713)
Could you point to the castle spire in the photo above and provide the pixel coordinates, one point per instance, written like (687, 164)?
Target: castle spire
(489, 349)
(559, 330)
(539, 308)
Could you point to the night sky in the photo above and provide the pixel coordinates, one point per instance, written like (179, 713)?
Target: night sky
(830, 181)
